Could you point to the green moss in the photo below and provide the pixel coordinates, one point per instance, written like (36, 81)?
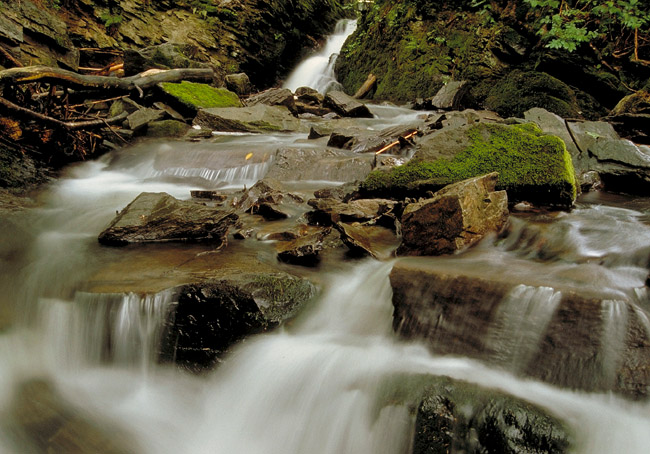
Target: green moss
(201, 96)
(531, 165)
(167, 128)
(519, 91)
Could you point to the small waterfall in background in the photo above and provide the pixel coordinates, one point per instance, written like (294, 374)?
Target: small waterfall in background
(317, 71)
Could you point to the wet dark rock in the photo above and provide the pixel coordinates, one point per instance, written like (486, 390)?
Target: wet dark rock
(169, 111)
(346, 105)
(294, 164)
(454, 416)
(159, 217)
(302, 108)
(344, 192)
(458, 309)
(210, 195)
(456, 217)
(450, 96)
(214, 315)
(315, 134)
(304, 250)
(242, 234)
(273, 97)
(239, 83)
(123, 105)
(45, 422)
(257, 118)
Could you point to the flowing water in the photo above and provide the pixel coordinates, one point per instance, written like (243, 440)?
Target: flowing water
(317, 71)
(310, 387)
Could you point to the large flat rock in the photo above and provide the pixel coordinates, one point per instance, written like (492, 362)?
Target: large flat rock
(318, 164)
(527, 318)
(257, 118)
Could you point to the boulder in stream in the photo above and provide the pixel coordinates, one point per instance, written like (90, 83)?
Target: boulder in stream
(526, 318)
(453, 416)
(456, 217)
(303, 250)
(532, 166)
(257, 118)
(212, 316)
(159, 217)
(346, 105)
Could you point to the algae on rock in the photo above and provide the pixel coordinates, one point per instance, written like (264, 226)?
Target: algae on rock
(532, 166)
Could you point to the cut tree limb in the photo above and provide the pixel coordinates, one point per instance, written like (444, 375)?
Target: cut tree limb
(29, 74)
(26, 114)
(366, 87)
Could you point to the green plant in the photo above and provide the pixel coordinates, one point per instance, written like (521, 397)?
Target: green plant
(110, 20)
(566, 24)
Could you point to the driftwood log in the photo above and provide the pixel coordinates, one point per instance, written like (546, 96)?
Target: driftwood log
(366, 87)
(139, 82)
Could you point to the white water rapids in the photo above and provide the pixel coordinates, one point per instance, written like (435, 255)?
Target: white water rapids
(311, 386)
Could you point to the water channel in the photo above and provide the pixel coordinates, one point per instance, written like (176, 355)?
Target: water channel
(311, 386)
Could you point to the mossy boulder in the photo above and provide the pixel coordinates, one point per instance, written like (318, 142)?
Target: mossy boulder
(167, 128)
(520, 91)
(532, 166)
(190, 97)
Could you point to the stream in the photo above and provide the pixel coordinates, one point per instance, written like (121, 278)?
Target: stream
(311, 386)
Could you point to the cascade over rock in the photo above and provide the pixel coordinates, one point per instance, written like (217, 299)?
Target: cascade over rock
(461, 311)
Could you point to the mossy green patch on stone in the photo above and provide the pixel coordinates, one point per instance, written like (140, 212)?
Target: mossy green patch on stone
(532, 166)
(200, 96)
(167, 128)
(519, 91)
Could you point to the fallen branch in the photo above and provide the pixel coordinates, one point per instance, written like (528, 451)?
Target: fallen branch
(29, 74)
(366, 87)
(26, 114)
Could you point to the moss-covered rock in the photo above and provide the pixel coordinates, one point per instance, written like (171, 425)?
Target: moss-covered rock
(192, 96)
(532, 166)
(412, 57)
(167, 128)
(519, 91)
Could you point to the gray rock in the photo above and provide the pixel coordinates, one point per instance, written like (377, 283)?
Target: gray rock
(273, 97)
(239, 83)
(142, 117)
(294, 164)
(450, 96)
(456, 217)
(346, 105)
(257, 118)
(159, 217)
(344, 192)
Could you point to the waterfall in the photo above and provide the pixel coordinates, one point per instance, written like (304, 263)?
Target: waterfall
(317, 71)
(104, 328)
